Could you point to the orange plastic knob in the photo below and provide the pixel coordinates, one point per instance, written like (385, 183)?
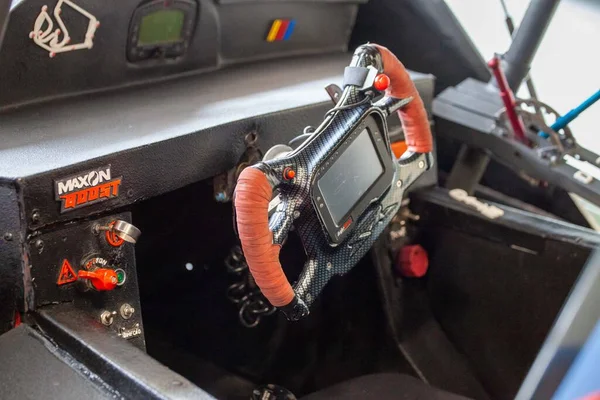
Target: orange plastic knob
(289, 174)
(381, 82)
(101, 278)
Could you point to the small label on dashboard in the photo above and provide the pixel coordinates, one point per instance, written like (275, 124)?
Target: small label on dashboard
(86, 188)
(130, 333)
(66, 274)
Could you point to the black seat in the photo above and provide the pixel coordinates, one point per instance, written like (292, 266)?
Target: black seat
(381, 387)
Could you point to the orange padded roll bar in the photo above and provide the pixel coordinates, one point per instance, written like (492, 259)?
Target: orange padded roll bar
(252, 196)
(415, 123)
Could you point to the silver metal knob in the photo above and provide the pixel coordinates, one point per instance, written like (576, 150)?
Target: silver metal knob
(123, 230)
(126, 231)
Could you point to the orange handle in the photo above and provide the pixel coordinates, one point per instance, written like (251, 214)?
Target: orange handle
(252, 196)
(101, 278)
(413, 116)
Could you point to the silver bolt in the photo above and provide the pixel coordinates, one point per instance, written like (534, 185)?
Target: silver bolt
(107, 317)
(399, 184)
(126, 311)
(421, 164)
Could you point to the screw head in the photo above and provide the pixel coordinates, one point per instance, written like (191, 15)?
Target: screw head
(126, 311)
(39, 244)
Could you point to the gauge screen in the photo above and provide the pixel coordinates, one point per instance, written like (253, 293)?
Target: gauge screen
(159, 27)
(350, 176)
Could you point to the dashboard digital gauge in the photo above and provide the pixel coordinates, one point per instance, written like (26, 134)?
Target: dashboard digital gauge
(161, 29)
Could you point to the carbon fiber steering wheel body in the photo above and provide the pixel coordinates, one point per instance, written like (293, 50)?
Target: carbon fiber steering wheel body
(299, 206)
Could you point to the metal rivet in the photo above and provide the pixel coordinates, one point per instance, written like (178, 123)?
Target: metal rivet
(308, 297)
(329, 266)
(39, 244)
(421, 164)
(35, 216)
(399, 184)
(8, 236)
(296, 214)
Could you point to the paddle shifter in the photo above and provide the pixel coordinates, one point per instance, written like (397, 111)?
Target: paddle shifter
(340, 188)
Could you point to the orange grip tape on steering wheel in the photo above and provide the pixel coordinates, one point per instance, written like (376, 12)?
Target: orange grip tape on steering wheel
(252, 196)
(413, 116)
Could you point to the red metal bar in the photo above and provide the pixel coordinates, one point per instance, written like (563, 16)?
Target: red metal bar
(508, 99)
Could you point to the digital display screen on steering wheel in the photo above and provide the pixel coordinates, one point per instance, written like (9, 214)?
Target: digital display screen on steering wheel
(350, 176)
(358, 172)
(339, 189)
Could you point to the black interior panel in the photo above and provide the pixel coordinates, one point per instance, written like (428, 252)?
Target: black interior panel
(34, 368)
(497, 286)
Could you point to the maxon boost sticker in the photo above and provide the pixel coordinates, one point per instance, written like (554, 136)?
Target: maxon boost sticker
(86, 188)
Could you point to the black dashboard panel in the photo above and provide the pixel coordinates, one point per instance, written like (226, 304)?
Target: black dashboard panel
(319, 26)
(77, 247)
(213, 35)
(165, 136)
(27, 73)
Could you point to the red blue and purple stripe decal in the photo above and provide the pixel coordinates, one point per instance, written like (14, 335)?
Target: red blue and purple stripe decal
(281, 29)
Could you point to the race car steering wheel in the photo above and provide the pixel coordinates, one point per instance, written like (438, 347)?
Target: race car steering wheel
(340, 188)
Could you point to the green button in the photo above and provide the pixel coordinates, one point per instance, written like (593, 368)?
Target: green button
(121, 276)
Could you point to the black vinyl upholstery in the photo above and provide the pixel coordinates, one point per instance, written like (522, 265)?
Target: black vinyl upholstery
(383, 386)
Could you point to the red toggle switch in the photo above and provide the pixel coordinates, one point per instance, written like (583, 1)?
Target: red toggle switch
(101, 278)
(381, 82)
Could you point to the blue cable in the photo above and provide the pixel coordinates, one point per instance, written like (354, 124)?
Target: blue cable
(563, 121)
